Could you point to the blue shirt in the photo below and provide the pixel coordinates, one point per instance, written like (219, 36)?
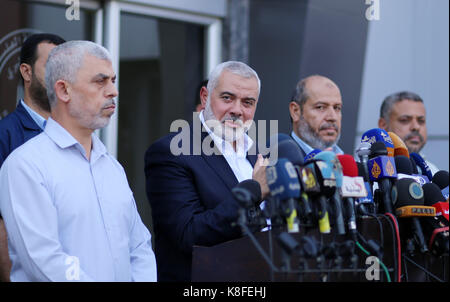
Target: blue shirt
(307, 148)
(39, 120)
(15, 129)
(69, 218)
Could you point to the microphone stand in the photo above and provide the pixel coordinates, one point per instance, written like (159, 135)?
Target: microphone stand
(246, 231)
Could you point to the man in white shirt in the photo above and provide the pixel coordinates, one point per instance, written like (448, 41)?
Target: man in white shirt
(67, 206)
(404, 114)
(30, 115)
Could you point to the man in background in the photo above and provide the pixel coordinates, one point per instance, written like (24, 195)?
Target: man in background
(404, 114)
(30, 115)
(316, 113)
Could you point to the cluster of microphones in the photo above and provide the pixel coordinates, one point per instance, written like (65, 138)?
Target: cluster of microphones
(330, 192)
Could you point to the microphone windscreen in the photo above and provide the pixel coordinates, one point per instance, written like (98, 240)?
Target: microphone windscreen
(349, 166)
(413, 166)
(422, 164)
(361, 171)
(379, 135)
(432, 194)
(407, 192)
(311, 155)
(441, 179)
(403, 164)
(377, 149)
(290, 150)
(253, 187)
(282, 179)
(399, 146)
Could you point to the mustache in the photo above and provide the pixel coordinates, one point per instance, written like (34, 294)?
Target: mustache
(233, 118)
(109, 103)
(414, 133)
(329, 125)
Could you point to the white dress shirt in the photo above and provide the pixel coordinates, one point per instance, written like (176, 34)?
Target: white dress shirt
(237, 160)
(69, 218)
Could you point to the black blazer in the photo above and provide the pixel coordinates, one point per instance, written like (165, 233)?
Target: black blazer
(191, 201)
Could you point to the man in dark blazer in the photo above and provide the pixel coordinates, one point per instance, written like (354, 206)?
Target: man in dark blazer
(29, 117)
(316, 113)
(190, 193)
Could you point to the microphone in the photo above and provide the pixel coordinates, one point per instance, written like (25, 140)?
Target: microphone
(311, 154)
(408, 199)
(434, 198)
(289, 149)
(379, 135)
(436, 228)
(422, 164)
(320, 186)
(399, 145)
(367, 201)
(414, 166)
(248, 194)
(363, 152)
(330, 159)
(382, 169)
(284, 186)
(284, 146)
(405, 170)
(441, 179)
(352, 187)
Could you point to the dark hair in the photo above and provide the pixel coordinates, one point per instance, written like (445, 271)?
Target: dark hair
(300, 95)
(28, 52)
(197, 98)
(394, 98)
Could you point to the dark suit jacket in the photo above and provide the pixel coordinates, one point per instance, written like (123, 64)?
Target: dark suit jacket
(192, 204)
(15, 129)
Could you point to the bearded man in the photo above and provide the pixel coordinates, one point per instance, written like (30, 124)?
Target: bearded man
(316, 113)
(30, 115)
(68, 209)
(190, 195)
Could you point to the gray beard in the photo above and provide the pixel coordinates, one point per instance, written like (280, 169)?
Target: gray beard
(312, 138)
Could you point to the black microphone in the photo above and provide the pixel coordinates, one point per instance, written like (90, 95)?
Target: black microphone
(408, 197)
(436, 228)
(248, 194)
(283, 183)
(289, 149)
(403, 164)
(414, 166)
(441, 178)
(319, 188)
(382, 169)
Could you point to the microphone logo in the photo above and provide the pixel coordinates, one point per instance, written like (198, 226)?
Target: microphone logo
(415, 190)
(390, 168)
(376, 171)
(308, 178)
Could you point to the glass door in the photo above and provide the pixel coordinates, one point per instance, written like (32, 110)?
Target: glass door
(20, 19)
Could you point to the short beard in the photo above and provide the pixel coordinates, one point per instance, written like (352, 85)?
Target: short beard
(218, 127)
(93, 123)
(415, 149)
(38, 94)
(312, 138)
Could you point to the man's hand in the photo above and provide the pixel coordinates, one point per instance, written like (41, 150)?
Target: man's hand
(259, 174)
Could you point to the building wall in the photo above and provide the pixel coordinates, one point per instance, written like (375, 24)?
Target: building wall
(408, 49)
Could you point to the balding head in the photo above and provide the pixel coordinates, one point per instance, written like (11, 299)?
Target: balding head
(315, 111)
